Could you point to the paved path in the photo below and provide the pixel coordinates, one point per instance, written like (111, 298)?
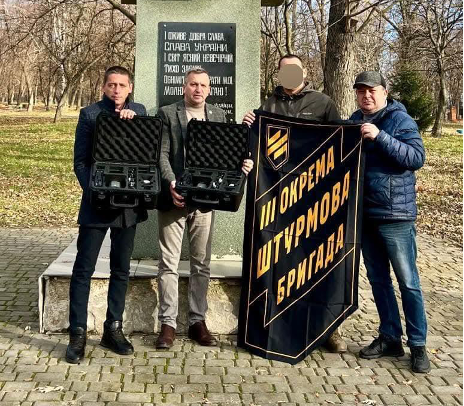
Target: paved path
(33, 372)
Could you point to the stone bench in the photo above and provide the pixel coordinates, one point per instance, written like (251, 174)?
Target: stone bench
(142, 296)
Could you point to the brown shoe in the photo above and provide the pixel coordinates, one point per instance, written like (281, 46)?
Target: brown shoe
(166, 337)
(335, 343)
(199, 333)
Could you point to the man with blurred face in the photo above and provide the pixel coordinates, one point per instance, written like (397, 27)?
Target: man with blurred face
(295, 98)
(394, 150)
(174, 216)
(94, 223)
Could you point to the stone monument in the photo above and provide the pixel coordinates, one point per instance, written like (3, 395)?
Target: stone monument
(224, 38)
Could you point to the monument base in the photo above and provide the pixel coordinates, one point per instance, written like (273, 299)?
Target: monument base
(141, 311)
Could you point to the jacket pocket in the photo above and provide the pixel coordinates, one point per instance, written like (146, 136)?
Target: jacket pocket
(377, 190)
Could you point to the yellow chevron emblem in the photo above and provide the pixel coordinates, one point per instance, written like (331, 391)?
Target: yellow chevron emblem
(277, 145)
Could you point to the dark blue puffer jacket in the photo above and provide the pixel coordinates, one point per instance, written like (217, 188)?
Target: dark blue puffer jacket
(391, 159)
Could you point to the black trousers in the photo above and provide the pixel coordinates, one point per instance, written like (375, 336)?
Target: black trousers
(89, 242)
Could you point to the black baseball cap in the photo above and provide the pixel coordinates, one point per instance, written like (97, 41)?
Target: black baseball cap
(370, 78)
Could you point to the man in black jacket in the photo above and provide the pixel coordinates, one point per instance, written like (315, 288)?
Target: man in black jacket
(94, 224)
(295, 98)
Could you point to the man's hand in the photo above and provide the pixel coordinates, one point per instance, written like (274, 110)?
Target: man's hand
(369, 131)
(249, 119)
(126, 114)
(176, 197)
(247, 166)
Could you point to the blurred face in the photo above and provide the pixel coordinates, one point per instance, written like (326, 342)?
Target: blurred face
(371, 99)
(291, 73)
(196, 89)
(117, 88)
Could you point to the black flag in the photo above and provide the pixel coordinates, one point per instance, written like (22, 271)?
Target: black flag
(302, 235)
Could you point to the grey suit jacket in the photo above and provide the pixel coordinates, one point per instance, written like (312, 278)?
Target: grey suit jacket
(88, 215)
(172, 159)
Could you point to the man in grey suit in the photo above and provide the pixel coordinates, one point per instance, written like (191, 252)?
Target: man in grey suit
(173, 216)
(94, 223)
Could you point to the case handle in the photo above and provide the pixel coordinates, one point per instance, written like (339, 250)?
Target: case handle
(204, 201)
(124, 205)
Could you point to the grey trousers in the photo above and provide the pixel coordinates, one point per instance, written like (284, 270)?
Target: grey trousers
(171, 230)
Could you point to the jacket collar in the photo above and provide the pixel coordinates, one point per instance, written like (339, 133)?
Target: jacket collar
(110, 105)
(279, 92)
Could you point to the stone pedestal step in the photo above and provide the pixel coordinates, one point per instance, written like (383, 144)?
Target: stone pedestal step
(141, 311)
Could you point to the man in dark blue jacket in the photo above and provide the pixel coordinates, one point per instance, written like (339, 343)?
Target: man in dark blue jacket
(394, 150)
(94, 224)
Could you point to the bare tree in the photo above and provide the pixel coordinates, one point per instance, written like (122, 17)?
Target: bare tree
(442, 27)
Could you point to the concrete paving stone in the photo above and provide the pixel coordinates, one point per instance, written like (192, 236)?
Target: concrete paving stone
(224, 398)
(189, 397)
(314, 380)
(306, 388)
(230, 388)
(80, 386)
(173, 369)
(134, 397)
(107, 396)
(215, 388)
(17, 396)
(194, 362)
(192, 370)
(153, 388)
(17, 386)
(204, 379)
(232, 379)
(449, 400)
(401, 389)
(105, 386)
(133, 387)
(241, 371)
(215, 371)
(416, 400)
(221, 363)
(144, 377)
(374, 390)
(172, 379)
(110, 377)
(282, 387)
(38, 396)
(173, 398)
(124, 403)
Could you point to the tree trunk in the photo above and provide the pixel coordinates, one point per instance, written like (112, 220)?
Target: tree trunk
(20, 92)
(288, 28)
(437, 125)
(340, 58)
(10, 94)
(30, 105)
(62, 105)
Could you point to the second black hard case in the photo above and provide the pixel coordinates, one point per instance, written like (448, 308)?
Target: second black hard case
(213, 177)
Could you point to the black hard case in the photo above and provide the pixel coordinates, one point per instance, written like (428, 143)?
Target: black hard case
(213, 177)
(125, 169)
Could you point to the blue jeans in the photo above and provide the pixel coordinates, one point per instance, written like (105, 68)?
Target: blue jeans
(394, 242)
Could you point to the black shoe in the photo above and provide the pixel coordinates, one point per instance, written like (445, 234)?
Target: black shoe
(113, 338)
(76, 347)
(381, 347)
(419, 360)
